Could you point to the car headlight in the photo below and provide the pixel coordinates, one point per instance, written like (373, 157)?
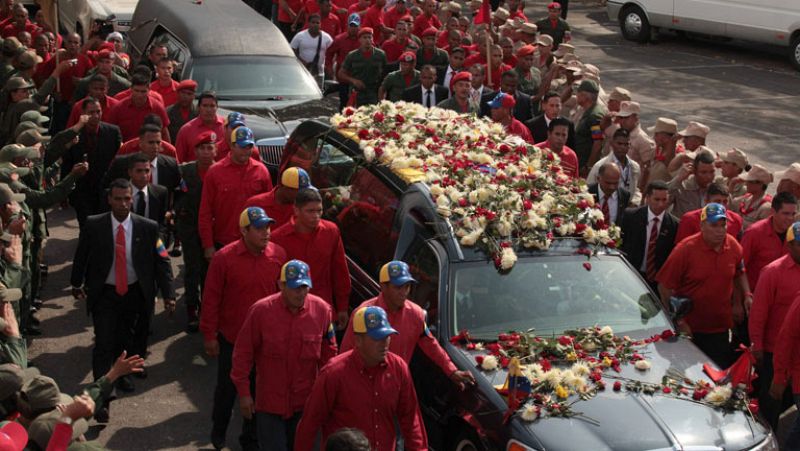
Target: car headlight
(515, 445)
(770, 444)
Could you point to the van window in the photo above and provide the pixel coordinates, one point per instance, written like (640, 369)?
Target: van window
(175, 49)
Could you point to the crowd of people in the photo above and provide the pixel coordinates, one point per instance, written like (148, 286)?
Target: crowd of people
(153, 171)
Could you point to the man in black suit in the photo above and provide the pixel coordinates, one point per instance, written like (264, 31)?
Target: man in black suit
(551, 104)
(164, 169)
(149, 200)
(427, 92)
(508, 84)
(609, 197)
(641, 225)
(92, 141)
(119, 264)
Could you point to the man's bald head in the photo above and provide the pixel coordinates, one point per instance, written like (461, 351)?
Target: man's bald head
(608, 178)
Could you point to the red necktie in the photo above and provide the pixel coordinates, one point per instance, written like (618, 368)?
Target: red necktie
(651, 251)
(120, 263)
(604, 209)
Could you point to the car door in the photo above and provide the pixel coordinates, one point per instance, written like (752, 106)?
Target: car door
(659, 12)
(700, 16)
(760, 20)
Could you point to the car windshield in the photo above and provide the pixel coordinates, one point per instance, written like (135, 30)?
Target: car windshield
(551, 295)
(254, 77)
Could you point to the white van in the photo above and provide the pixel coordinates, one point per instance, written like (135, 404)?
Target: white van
(769, 21)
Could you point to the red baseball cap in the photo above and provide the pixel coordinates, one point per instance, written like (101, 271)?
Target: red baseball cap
(408, 57)
(461, 76)
(13, 436)
(365, 30)
(502, 100)
(105, 54)
(205, 137)
(554, 5)
(187, 84)
(430, 31)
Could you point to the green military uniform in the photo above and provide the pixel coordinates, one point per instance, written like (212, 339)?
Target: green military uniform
(368, 69)
(529, 83)
(176, 120)
(587, 131)
(116, 84)
(437, 59)
(187, 209)
(395, 83)
(451, 104)
(557, 32)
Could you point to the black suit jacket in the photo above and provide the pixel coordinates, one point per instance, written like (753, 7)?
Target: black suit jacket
(522, 110)
(634, 236)
(158, 200)
(168, 174)
(95, 256)
(623, 199)
(538, 128)
(414, 94)
(109, 140)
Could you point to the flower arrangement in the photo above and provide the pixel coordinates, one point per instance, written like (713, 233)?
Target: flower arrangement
(498, 192)
(548, 376)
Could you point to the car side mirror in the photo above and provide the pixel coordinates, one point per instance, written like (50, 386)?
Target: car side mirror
(679, 307)
(330, 87)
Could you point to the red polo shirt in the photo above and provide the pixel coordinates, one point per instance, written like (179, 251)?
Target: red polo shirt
(392, 16)
(236, 279)
(323, 251)
(105, 105)
(225, 190)
(281, 213)
(496, 75)
(705, 276)
(294, 5)
(778, 285)
(394, 48)
(169, 92)
(184, 142)
(518, 128)
(129, 117)
(373, 18)
(132, 146)
(122, 95)
(569, 160)
(475, 58)
(786, 359)
(338, 50)
(288, 350)
(348, 394)
(761, 246)
(423, 22)
(411, 323)
(69, 77)
(690, 224)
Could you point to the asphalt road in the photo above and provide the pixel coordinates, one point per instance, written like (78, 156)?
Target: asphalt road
(744, 92)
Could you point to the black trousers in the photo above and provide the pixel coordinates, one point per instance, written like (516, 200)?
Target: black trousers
(118, 322)
(225, 397)
(771, 408)
(195, 267)
(85, 204)
(564, 8)
(717, 346)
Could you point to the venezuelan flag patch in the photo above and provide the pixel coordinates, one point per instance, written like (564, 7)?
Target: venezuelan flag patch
(330, 335)
(597, 132)
(183, 186)
(426, 331)
(162, 251)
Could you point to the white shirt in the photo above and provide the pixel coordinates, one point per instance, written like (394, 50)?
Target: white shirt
(432, 90)
(127, 225)
(154, 171)
(448, 76)
(146, 192)
(648, 231)
(613, 203)
(625, 178)
(306, 47)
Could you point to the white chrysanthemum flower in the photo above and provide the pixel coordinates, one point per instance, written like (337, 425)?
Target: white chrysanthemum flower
(642, 365)
(553, 377)
(580, 369)
(471, 238)
(508, 258)
(479, 346)
(436, 190)
(607, 330)
(530, 412)
(489, 363)
(719, 395)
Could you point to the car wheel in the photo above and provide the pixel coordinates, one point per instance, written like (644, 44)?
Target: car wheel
(794, 52)
(467, 440)
(634, 24)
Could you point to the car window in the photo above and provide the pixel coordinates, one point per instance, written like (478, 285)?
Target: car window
(175, 49)
(424, 267)
(254, 77)
(551, 295)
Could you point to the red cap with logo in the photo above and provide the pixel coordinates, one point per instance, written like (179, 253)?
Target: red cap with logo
(408, 57)
(461, 76)
(430, 31)
(205, 137)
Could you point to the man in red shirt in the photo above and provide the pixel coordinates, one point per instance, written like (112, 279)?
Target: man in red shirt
(778, 286)
(98, 89)
(395, 14)
(228, 185)
(67, 79)
(400, 43)
(501, 107)
(164, 84)
(287, 16)
(373, 18)
(240, 274)
(495, 68)
(342, 45)
(368, 388)
(410, 321)
(557, 135)
(427, 19)
(787, 367)
(19, 23)
(764, 241)
(207, 119)
(318, 242)
(129, 114)
(690, 221)
(288, 337)
(279, 203)
(330, 22)
(705, 268)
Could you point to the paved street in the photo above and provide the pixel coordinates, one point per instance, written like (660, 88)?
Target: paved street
(745, 94)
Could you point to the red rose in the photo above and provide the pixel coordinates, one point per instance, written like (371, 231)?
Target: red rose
(753, 406)
(504, 148)
(617, 386)
(587, 266)
(565, 340)
(699, 394)
(527, 205)
(363, 133)
(349, 111)
(399, 118)
(503, 337)
(546, 366)
(667, 334)
(504, 361)
(549, 156)
(505, 244)
(666, 390)
(611, 244)
(583, 204)
(580, 227)
(462, 202)
(479, 359)
(470, 346)
(378, 117)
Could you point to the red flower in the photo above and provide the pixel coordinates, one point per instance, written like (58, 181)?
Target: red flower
(546, 366)
(363, 133)
(699, 394)
(753, 406)
(504, 361)
(504, 148)
(587, 266)
(470, 346)
(611, 244)
(462, 202)
(399, 118)
(666, 390)
(503, 337)
(505, 244)
(378, 117)
(583, 204)
(479, 359)
(549, 156)
(349, 111)
(493, 348)
(617, 386)
(580, 227)
(667, 334)
(565, 340)
(527, 205)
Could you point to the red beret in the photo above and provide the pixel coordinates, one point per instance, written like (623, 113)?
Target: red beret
(430, 31)
(526, 50)
(461, 76)
(554, 5)
(408, 57)
(107, 46)
(187, 84)
(205, 137)
(406, 18)
(365, 30)
(105, 54)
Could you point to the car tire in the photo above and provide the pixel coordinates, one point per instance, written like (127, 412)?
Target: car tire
(634, 24)
(794, 52)
(467, 440)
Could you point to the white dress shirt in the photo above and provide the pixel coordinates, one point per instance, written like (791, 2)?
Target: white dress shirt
(127, 225)
(448, 76)
(432, 90)
(146, 192)
(613, 204)
(648, 231)
(154, 171)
